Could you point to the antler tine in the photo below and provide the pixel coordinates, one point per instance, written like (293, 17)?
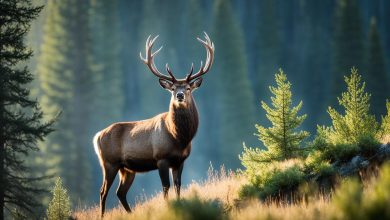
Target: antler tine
(148, 60)
(209, 45)
(190, 73)
(170, 72)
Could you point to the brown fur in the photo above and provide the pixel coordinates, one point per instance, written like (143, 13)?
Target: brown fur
(162, 142)
(139, 146)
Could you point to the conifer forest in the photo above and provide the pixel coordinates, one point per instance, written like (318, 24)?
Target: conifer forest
(297, 100)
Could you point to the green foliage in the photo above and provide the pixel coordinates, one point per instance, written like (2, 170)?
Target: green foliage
(347, 200)
(323, 152)
(21, 119)
(356, 122)
(274, 179)
(282, 140)
(368, 144)
(340, 152)
(316, 165)
(385, 124)
(59, 206)
(66, 86)
(376, 201)
(351, 202)
(194, 208)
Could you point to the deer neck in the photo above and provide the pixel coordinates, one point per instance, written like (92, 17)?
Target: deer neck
(182, 121)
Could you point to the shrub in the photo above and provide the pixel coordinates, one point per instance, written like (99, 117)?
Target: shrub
(340, 152)
(282, 182)
(249, 191)
(59, 206)
(277, 178)
(195, 208)
(351, 202)
(368, 145)
(377, 201)
(347, 200)
(317, 166)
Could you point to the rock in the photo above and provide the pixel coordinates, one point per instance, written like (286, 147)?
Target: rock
(364, 164)
(356, 161)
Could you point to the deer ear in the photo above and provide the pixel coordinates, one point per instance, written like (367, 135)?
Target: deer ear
(195, 84)
(165, 84)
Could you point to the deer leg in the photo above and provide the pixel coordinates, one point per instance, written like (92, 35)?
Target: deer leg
(176, 173)
(126, 179)
(163, 170)
(109, 173)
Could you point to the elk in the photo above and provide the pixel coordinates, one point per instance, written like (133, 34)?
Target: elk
(162, 142)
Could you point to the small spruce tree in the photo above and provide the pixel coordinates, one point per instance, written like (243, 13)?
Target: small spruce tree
(356, 121)
(59, 206)
(281, 139)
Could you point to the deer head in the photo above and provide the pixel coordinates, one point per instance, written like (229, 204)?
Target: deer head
(181, 89)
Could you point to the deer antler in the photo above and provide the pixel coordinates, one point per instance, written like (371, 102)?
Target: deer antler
(209, 60)
(148, 60)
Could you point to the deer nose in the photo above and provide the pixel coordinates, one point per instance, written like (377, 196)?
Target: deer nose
(180, 96)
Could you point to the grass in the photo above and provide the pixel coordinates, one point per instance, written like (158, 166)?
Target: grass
(217, 198)
(221, 186)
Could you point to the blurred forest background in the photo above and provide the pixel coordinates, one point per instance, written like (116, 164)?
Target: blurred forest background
(87, 66)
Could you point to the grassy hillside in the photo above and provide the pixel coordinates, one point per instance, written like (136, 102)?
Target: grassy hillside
(217, 198)
(220, 185)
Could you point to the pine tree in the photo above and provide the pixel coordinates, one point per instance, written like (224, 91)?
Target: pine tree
(347, 43)
(267, 50)
(316, 66)
(59, 206)
(356, 122)
(20, 116)
(106, 69)
(130, 12)
(377, 80)
(154, 99)
(204, 141)
(282, 139)
(66, 87)
(230, 93)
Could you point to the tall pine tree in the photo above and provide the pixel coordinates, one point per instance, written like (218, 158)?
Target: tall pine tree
(230, 91)
(63, 71)
(377, 79)
(105, 62)
(153, 99)
(20, 117)
(267, 44)
(348, 50)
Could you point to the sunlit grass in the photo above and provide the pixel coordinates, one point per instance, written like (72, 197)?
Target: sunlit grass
(222, 185)
(218, 197)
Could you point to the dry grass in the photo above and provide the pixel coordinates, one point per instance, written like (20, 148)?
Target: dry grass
(222, 185)
(317, 209)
